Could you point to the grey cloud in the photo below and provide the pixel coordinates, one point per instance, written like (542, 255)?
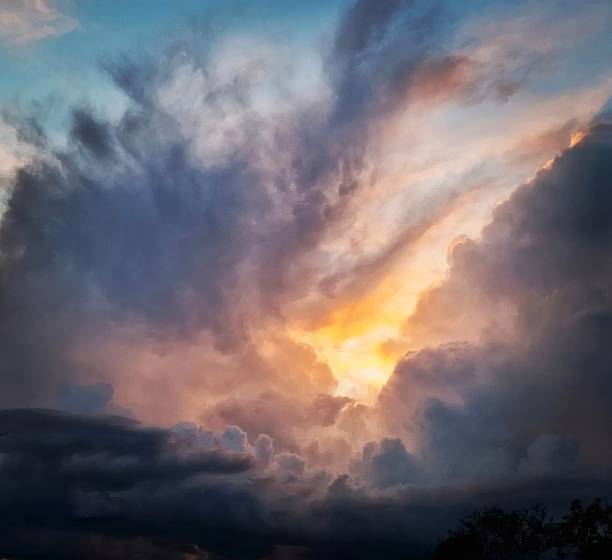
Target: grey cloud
(125, 228)
(290, 465)
(532, 399)
(386, 463)
(233, 439)
(264, 449)
(365, 23)
(283, 417)
(92, 135)
(271, 413)
(91, 398)
(113, 486)
(28, 129)
(110, 480)
(604, 116)
(550, 454)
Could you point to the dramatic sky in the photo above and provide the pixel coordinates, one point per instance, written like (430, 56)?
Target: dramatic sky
(299, 279)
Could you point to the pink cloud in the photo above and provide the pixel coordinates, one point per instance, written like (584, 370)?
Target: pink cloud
(26, 21)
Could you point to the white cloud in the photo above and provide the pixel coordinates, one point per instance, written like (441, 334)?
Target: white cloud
(26, 21)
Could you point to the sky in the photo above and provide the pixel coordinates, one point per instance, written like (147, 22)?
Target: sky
(299, 280)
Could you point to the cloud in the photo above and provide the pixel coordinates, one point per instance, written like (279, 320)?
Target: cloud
(264, 449)
(203, 222)
(529, 397)
(233, 439)
(98, 452)
(385, 464)
(139, 230)
(85, 398)
(289, 465)
(150, 253)
(549, 454)
(604, 115)
(27, 21)
(112, 486)
(364, 25)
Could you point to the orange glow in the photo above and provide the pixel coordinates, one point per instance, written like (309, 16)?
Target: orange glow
(577, 137)
(363, 338)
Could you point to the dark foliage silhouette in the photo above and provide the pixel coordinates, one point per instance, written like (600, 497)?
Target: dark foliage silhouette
(585, 533)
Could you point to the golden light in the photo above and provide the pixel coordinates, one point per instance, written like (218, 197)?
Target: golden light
(362, 338)
(577, 137)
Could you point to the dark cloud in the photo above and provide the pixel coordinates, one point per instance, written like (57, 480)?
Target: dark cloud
(365, 24)
(62, 472)
(604, 116)
(90, 134)
(127, 231)
(109, 487)
(385, 464)
(532, 398)
(378, 46)
(33, 439)
(91, 398)
(74, 484)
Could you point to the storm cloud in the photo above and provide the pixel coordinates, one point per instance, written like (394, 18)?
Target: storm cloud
(502, 422)
(529, 392)
(151, 261)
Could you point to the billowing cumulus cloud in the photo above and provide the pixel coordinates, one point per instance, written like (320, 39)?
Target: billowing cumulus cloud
(528, 393)
(164, 266)
(115, 489)
(493, 421)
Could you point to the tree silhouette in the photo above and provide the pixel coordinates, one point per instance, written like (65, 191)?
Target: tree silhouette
(585, 533)
(499, 535)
